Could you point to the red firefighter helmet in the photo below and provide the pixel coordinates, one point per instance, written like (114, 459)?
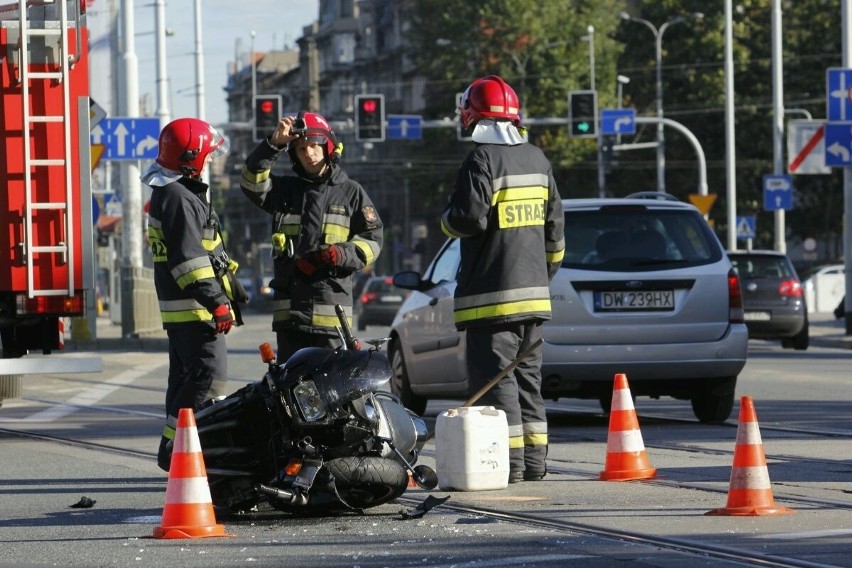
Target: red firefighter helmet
(314, 128)
(489, 97)
(185, 144)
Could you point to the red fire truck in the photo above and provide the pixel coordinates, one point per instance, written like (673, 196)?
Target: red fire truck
(46, 241)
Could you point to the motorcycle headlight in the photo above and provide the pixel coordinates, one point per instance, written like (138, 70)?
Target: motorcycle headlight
(310, 403)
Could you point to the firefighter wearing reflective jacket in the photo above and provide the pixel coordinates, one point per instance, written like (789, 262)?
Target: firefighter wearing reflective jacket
(506, 211)
(325, 228)
(193, 276)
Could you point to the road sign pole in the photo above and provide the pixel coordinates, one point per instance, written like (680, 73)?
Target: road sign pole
(846, 19)
(778, 119)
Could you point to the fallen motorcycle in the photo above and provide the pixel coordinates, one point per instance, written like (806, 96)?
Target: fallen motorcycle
(317, 434)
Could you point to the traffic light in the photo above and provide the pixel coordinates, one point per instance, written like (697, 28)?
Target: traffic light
(267, 113)
(370, 118)
(583, 113)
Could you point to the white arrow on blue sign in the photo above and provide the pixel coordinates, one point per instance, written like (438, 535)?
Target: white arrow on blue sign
(746, 227)
(404, 127)
(128, 138)
(777, 192)
(838, 143)
(618, 121)
(838, 90)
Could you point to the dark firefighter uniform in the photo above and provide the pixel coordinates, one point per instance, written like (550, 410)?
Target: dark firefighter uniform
(312, 213)
(189, 274)
(506, 210)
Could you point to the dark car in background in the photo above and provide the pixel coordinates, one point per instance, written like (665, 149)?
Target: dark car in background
(378, 302)
(645, 288)
(773, 297)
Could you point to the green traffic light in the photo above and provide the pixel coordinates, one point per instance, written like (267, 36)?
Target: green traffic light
(583, 127)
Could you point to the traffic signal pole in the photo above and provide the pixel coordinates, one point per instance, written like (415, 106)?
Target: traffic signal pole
(699, 151)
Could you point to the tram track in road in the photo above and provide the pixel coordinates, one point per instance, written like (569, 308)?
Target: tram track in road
(554, 467)
(693, 547)
(687, 546)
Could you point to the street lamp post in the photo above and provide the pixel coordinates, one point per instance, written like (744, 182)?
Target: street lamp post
(658, 37)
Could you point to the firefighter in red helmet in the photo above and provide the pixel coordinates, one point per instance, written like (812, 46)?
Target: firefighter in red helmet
(324, 228)
(193, 275)
(507, 213)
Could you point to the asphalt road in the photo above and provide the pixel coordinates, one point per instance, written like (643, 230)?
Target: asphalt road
(111, 421)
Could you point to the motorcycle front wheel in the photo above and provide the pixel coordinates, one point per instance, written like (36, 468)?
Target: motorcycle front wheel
(370, 481)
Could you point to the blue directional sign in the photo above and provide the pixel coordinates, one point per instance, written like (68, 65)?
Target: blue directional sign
(838, 143)
(838, 94)
(777, 193)
(618, 121)
(128, 138)
(746, 227)
(404, 127)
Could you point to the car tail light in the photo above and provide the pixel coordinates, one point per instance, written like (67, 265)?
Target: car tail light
(51, 305)
(735, 299)
(368, 297)
(790, 288)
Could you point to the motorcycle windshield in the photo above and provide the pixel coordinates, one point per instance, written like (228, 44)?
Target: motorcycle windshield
(351, 374)
(342, 376)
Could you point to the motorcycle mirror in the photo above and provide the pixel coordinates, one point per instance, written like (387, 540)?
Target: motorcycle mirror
(425, 477)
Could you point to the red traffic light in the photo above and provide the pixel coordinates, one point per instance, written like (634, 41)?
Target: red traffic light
(267, 106)
(369, 105)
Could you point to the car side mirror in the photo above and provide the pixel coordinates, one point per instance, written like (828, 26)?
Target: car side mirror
(408, 280)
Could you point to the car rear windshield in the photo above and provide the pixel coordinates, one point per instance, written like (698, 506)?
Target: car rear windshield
(383, 285)
(637, 238)
(766, 266)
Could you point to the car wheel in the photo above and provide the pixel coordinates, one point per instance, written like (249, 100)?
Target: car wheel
(715, 401)
(801, 340)
(400, 385)
(362, 325)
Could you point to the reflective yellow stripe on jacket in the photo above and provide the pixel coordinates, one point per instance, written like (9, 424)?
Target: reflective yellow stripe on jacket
(504, 303)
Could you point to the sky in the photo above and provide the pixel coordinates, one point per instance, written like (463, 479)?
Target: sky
(277, 24)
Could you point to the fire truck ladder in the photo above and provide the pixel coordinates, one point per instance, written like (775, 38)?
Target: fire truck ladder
(60, 76)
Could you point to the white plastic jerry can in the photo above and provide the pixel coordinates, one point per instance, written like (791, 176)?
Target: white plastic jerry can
(472, 449)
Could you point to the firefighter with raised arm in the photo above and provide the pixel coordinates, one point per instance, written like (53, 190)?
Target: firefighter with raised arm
(507, 212)
(324, 228)
(193, 275)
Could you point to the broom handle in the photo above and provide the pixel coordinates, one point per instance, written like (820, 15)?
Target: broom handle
(502, 374)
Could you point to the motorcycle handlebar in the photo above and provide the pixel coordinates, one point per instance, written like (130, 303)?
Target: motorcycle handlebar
(348, 338)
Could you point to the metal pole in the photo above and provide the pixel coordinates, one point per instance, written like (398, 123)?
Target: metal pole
(621, 80)
(699, 151)
(128, 105)
(846, 18)
(661, 137)
(162, 73)
(253, 78)
(778, 118)
(730, 150)
(591, 31)
(601, 166)
(200, 105)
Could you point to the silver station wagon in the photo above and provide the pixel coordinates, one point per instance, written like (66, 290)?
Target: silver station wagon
(645, 288)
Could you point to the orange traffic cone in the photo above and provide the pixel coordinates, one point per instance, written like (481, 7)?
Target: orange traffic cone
(750, 493)
(188, 512)
(625, 452)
